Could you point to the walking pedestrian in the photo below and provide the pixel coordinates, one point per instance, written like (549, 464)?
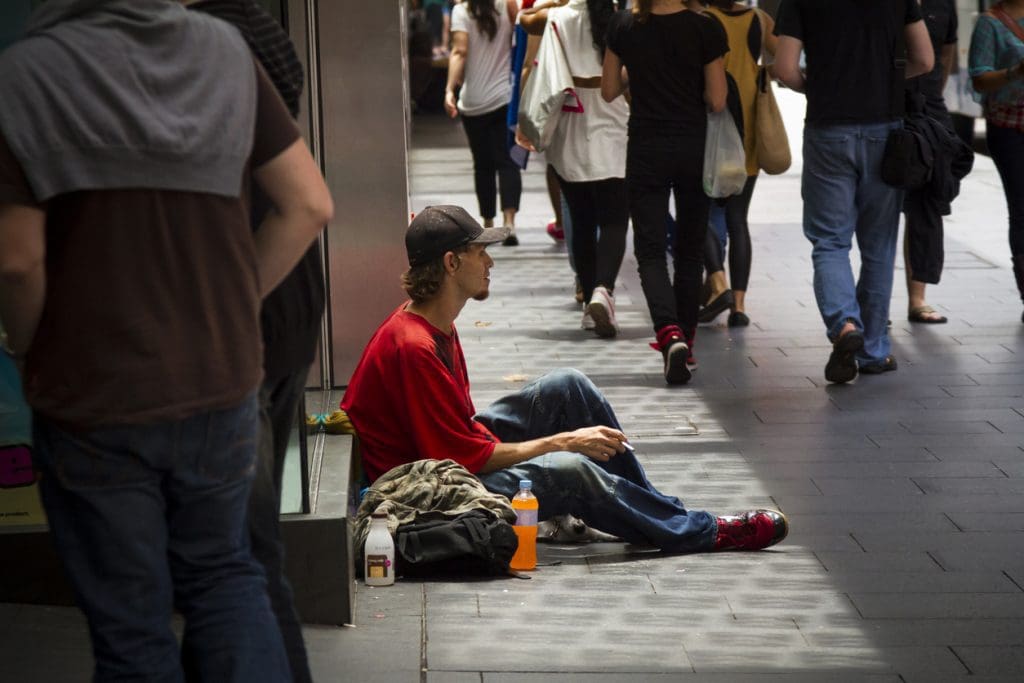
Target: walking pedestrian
(855, 91)
(479, 66)
(671, 60)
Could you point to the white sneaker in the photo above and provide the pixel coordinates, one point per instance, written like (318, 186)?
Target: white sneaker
(602, 310)
(588, 322)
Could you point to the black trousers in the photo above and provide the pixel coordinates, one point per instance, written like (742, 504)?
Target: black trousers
(597, 253)
(279, 401)
(925, 251)
(655, 166)
(488, 142)
(736, 209)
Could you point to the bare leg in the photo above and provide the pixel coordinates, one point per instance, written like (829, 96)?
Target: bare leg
(717, 285)
(738, 296)
(554, 194)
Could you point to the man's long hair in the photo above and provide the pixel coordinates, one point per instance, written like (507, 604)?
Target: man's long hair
(422, 283)
(486, 16)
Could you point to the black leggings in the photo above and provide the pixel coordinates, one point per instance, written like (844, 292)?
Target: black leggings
(655, 166)
(736, 209)
(603, 203)
(488, 142)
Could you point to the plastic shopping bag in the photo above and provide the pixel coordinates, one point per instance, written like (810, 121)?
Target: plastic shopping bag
(725, 162)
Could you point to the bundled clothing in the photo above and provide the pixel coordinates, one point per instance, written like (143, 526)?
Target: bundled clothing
(426, 490)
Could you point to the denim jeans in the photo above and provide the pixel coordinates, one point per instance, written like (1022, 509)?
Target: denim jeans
(655, 166)
(844, 195)
(614, 496)
(146, 518)
(279, 405)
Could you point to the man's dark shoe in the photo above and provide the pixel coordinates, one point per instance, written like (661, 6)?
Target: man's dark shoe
(676, 353)
(754, 530)
(842, 364)
(887, 364)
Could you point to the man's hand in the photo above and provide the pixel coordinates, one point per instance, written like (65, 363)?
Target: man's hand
(597, 443)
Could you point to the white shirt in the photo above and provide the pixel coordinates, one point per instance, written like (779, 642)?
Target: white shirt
(487, 79)
(587, 145)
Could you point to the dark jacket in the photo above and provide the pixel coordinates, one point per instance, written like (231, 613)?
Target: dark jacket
(291, 314)
(951, 158)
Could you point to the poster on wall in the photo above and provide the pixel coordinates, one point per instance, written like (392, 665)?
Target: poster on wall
(19, 494)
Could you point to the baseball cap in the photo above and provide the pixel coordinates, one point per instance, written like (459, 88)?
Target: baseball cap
(437, 230)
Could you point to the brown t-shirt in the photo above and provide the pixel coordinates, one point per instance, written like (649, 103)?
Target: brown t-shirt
(152, 297)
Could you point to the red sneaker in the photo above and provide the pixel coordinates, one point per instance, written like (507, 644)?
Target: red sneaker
(753, 530)
(556, 233)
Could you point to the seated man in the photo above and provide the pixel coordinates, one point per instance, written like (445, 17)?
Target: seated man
(409, 399)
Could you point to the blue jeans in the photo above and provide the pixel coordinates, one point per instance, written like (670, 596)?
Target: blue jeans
(844, 195)
(614, 496)
(146, 518)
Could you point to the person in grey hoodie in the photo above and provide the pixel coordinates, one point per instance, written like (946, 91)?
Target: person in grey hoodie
(130, 289)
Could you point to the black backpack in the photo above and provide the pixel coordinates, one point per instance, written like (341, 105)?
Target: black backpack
(475, 543)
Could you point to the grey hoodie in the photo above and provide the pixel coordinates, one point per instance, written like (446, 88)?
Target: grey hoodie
(122, 94)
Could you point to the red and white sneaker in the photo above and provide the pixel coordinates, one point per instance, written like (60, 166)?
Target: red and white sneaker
(602, 310)
(753, 530)
(556, 233)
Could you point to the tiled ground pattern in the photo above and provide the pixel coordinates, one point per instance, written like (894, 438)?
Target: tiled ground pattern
(906, 558)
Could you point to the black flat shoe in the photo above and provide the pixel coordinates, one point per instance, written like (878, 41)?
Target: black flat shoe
(887, 364)
(738, 319)
(721, 302)
(510, 241)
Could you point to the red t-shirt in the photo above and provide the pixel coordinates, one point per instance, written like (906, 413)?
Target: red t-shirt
(409, 399)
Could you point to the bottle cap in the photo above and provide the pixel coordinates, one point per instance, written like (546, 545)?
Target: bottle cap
(525, 484)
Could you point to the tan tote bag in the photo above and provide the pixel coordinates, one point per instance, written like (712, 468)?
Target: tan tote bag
(770, 139)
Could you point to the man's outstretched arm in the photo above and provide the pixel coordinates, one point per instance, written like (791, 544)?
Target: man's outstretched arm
(599, 443)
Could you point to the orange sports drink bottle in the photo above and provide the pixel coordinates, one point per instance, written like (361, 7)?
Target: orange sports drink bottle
(525, 504)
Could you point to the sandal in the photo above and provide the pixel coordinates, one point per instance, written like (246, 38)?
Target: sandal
(926, 314)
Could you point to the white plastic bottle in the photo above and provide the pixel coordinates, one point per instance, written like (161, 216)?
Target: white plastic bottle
(379, 553)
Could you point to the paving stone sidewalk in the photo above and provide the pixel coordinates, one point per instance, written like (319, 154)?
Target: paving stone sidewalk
(904, 491)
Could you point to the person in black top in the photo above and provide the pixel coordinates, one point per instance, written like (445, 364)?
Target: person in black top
(922, 239)
(855, 93)
(290, 322)
(671, 60)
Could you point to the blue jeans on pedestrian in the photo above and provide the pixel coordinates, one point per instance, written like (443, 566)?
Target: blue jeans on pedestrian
(614, 496)
(146, 518)
(844, 195)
